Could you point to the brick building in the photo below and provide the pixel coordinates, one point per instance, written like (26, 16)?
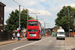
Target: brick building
(2, 16)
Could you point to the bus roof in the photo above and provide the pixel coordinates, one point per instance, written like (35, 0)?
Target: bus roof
(32, 20)
(60, 30)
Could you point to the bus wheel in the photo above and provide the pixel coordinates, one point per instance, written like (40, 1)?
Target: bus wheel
(28, 39)
(57, 38)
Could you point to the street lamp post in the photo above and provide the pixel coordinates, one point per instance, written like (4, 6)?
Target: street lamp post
(44, 27)
(19, 13)
(69, 22)
(27, 15)
(19, 17)
(36, 17)
(24, 13)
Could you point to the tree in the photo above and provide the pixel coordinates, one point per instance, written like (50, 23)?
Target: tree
(13, 21)
(64, 18)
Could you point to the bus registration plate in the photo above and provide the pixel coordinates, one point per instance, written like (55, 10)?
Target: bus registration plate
(32, 35)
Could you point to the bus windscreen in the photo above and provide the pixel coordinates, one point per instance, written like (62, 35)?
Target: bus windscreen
(32, 23)
(32, 30)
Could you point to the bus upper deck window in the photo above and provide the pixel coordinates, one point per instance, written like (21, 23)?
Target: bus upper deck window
(32, 23)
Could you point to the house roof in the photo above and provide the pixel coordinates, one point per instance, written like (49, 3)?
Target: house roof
(2, 4)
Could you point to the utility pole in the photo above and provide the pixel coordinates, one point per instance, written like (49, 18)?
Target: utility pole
(19, 17)
(44, 27)
(19, 13)
(27, 15)
(36, 17)
(69, 22)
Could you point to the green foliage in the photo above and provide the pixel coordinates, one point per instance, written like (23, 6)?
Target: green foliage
(65, 17)
(13, 21)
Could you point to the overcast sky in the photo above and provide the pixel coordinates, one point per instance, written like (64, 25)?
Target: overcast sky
(48, 9)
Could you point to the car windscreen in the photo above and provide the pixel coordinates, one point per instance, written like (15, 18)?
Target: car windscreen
(60, 33)
(32, 23)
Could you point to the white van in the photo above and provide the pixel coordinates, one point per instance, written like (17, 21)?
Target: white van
(60, 34)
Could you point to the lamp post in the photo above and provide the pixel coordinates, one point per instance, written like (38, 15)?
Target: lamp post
(69, 21)
(19, 13)
(19, 17)
(44, 27)
(27, 15)
(37, 15)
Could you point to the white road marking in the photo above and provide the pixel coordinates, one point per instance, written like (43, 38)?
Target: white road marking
(59, 46)
(69, 47)
(66, 47)
(11, 43)
(28, 44)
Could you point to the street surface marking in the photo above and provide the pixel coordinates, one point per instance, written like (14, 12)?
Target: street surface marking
(59, 46)
(12, 43)
(66, 47)
(69, 47)
(28, 44)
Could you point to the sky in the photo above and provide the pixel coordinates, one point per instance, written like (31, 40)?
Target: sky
(48, 9)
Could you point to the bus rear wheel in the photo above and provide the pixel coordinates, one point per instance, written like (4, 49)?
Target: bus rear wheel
(28, 39)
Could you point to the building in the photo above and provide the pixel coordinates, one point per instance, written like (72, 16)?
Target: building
(56, 28)
(2, 16)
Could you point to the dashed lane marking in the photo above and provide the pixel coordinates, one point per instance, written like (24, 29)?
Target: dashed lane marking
(29, 44)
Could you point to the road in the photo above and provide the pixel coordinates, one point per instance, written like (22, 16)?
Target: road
(46, 43)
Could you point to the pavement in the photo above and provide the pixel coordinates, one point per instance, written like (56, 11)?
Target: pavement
(11, 41)
(70, 43)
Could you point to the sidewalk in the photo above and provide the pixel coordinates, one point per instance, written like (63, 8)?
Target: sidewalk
(70, 43)
(10, 41)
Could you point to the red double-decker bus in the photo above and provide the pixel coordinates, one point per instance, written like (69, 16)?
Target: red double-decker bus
(34, 29)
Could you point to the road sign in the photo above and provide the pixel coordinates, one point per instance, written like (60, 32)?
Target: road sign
(42, 31)
(70, 29)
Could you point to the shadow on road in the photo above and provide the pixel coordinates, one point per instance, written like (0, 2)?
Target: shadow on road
(60, 39)
(73, 49)
(33, 39)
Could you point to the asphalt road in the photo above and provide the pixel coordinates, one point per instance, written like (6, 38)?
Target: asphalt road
(46, 43)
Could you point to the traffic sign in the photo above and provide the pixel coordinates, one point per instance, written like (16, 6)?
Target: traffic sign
(42, 31)
(70, 29)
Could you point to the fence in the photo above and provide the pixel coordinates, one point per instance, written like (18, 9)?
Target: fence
(72, 34)
(67, 34)
(5, 36)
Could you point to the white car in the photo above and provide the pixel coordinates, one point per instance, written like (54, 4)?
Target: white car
(60, 34)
